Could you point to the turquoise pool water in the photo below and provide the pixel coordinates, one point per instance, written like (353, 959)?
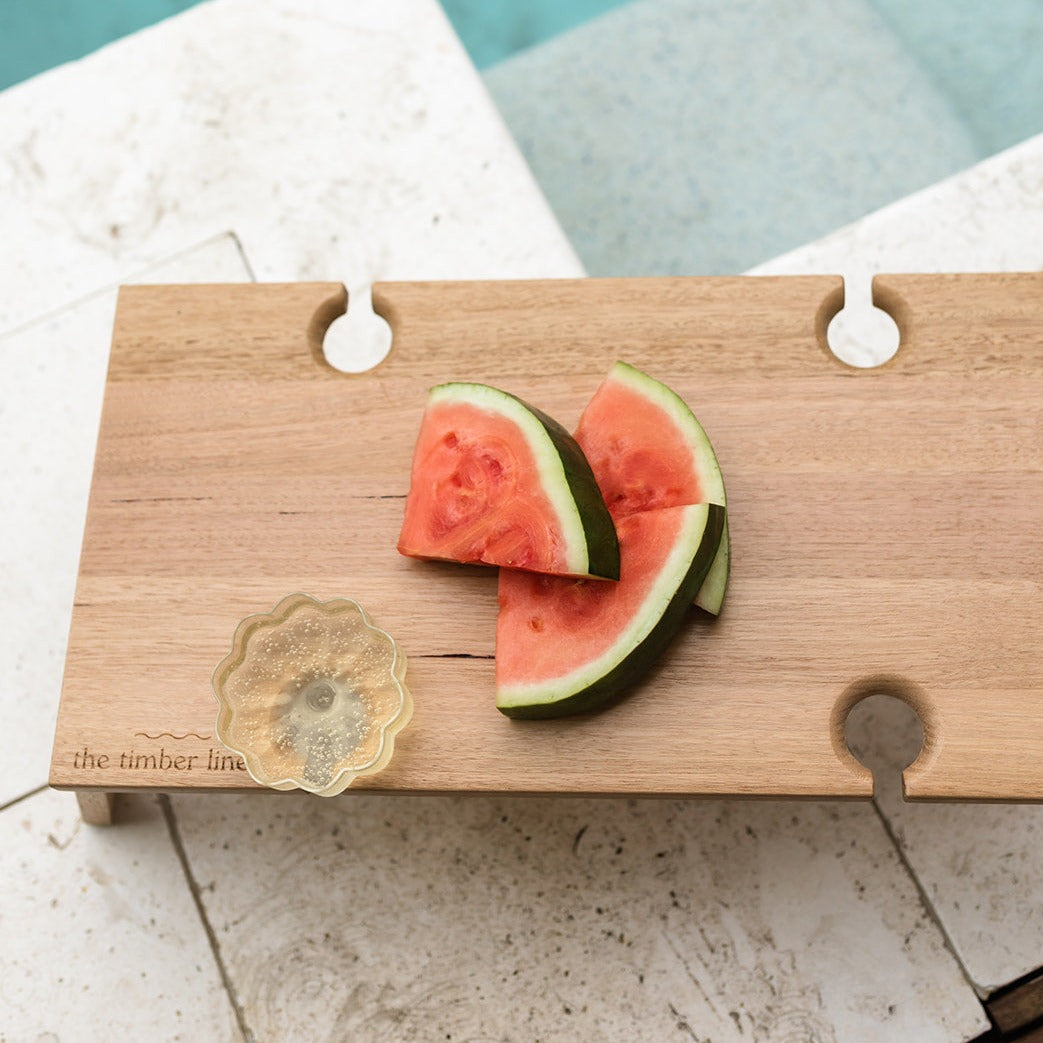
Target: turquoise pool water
(699, 136)
(492, 30)
(691, 137)
(986, 57)
(38, 34)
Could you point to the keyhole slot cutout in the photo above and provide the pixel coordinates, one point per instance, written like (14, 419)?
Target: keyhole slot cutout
(863, 332)
(883, 731)
(360, 339)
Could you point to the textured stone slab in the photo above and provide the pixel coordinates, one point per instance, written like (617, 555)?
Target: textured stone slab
(390, 918)
(101, 937)
(340, 141)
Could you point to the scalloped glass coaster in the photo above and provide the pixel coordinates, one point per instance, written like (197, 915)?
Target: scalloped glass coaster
(312, 695)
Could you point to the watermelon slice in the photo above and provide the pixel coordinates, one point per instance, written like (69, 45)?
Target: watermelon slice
(497, 482)
(565, 646)
(647, 451)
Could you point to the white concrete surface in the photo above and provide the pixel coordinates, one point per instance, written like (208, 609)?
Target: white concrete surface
(101, 937)
(350, 141)
(401, 918)
(754, 921)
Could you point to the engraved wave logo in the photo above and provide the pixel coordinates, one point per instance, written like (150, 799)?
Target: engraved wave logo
(173, 735)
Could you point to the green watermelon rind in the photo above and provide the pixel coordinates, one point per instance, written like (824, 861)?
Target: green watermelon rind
(591, 546)
(710, 596)
(604, 680)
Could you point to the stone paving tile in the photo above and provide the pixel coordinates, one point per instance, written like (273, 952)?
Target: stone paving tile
(101, 937)
(392, 918)
(340, 141)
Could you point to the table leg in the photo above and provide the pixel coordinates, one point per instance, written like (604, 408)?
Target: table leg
(96, 806)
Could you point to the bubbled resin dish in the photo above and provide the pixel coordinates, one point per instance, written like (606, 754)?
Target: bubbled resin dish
(312, 695)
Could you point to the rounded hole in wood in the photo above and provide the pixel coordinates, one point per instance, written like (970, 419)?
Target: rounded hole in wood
(358, 340)
(879, 723)
(862, 334)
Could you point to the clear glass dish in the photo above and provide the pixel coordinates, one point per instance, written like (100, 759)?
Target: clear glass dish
(312, 695)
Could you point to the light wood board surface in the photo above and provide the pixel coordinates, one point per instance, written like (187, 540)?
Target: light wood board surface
(885, 526)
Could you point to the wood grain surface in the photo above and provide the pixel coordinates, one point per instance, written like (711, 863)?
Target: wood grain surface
(885, 523)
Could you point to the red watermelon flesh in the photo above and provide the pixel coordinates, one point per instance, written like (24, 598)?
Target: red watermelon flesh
(564, 646)
(496, 482)
(647, 450)
(645, 446)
